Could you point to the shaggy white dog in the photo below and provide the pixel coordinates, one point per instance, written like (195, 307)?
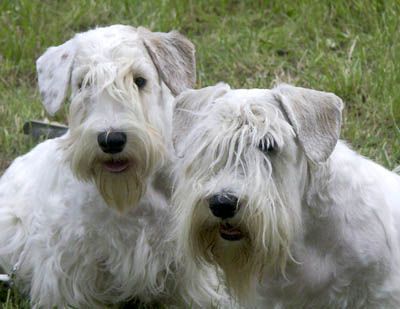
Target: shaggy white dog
(84, 217)
(294, 218)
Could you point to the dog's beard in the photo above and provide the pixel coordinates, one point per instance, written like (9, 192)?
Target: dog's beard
(264, 247)
(122, 190)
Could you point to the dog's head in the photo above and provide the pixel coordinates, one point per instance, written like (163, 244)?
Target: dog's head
(122, 81)
(243, 158)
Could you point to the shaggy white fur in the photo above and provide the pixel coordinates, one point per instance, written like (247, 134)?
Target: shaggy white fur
(87, 227)
(294, 217)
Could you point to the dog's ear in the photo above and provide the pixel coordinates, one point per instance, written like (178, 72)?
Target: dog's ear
(315, 116)
(190, 104)
(174, 57)
(54, 74)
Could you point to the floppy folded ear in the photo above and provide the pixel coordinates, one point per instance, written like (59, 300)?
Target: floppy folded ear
(191, 103)
(173, 56)
(54, 75)
(316, 118)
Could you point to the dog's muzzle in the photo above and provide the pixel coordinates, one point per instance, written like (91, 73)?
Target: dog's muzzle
(223, 205)
(112, 142)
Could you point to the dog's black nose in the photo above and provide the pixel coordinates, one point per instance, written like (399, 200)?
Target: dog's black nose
(223, 205)
(112, 142)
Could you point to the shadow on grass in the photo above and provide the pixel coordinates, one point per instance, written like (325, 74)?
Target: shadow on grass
(10, 298)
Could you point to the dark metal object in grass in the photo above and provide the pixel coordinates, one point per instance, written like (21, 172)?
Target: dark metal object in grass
(39, 129)
(4, 278)
(8, 279)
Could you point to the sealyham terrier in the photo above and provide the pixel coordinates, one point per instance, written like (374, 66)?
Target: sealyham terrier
(84, 218)
(294, 217)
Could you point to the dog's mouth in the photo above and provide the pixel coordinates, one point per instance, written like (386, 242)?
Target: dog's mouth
(229, 232)
(116, 166)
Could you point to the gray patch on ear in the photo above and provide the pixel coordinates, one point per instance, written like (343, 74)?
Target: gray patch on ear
(54, 74)
(316, 118)
(191, 102)
(174, 57)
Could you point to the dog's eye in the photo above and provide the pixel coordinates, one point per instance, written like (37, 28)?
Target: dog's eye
(266, 145)
(140, 82)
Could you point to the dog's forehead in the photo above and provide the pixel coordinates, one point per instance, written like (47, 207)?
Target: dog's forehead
(110, 42)
(236, 101)
(240, 108)
(249, 96)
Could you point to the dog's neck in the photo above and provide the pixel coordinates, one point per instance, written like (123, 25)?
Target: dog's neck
(318, 236)
(161, 181)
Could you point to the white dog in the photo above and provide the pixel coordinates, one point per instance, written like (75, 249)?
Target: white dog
(294, 218)
(84, 217)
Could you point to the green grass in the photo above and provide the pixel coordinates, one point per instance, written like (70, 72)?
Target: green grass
(351, 48)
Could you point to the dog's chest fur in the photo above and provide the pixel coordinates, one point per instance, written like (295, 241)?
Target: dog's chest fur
(78, 236)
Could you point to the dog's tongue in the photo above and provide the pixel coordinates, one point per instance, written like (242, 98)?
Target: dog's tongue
(116, 166)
